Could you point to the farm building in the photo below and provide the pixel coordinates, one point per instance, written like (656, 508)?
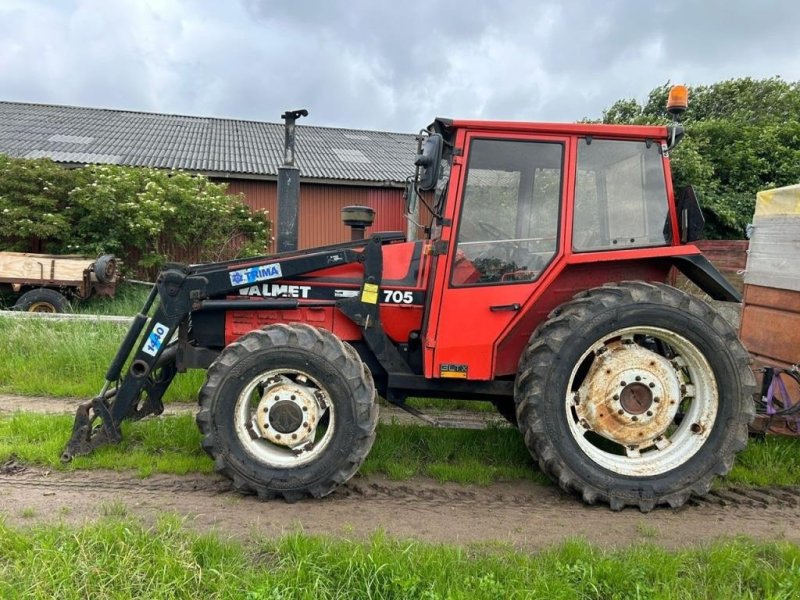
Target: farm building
(338, 167)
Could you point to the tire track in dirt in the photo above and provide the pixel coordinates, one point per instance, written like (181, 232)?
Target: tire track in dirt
(523, 514)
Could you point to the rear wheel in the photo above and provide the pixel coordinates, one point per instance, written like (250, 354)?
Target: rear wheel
(635, 394)
(288, 411)
(43, 300)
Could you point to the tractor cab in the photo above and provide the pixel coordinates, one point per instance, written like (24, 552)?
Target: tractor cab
(521, 210)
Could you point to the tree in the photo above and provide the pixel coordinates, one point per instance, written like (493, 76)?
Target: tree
(144, 216)
(742, 136)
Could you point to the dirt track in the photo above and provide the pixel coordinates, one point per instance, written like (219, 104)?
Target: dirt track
(524, 514)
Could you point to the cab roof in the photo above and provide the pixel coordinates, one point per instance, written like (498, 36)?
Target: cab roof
(659, 132)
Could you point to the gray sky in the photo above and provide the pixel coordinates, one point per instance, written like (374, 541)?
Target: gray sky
(383, 65)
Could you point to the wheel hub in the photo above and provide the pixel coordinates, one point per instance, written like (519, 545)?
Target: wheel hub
(285, 416)
(288, 412)
(636, 398)
(630, 395)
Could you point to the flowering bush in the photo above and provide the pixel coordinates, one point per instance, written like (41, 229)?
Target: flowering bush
(145, 216)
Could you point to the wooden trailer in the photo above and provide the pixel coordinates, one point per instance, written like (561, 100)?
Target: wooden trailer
(46, 282)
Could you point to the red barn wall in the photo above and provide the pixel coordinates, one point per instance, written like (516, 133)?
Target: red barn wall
(320, 206)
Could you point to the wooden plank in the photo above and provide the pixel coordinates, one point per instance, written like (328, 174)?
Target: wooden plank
(786, 300)
(772, 333)
(42, 267)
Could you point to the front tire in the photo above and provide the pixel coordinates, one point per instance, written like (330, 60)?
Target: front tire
(635, 394)
(288, 411)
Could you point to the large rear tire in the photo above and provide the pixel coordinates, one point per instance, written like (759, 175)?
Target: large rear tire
(635, 394)
(288, 411)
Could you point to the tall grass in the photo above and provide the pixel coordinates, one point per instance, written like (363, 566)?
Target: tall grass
(59, 358)
(120, 558)
(128, 300)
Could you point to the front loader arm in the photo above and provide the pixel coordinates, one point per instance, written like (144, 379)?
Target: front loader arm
(180, 290)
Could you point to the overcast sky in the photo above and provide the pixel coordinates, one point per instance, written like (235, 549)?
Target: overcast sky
(383, 65)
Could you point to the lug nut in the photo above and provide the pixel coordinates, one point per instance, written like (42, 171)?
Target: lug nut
(649, 413)
(616, 396)
(634, 418)
(638, 378)
(620, 412)
(652, 385)
(622, 383)
(656, 399)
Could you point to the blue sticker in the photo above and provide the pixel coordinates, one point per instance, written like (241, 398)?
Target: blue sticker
(254, 274)
(155, 339)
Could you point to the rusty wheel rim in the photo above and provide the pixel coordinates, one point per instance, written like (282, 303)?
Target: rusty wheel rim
(642, 401)
(42, 307)
(284, 418)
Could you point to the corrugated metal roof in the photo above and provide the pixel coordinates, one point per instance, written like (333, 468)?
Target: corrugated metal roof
(218, 146)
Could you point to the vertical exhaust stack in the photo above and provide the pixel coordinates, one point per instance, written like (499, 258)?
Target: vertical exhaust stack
(358, 218)
(289, 186)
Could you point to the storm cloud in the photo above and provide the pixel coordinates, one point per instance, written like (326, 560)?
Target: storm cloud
(379, 65)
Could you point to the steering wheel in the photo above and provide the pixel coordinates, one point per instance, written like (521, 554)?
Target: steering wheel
(511, 248)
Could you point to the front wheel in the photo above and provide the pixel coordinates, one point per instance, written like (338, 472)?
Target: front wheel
(288, 411)
(635, 394)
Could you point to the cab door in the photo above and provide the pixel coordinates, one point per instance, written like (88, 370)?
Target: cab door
(503, 237)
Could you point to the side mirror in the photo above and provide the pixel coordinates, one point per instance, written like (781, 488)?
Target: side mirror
(429, 162)
(690, 217)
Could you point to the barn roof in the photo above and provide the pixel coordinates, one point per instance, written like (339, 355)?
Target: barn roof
(217, 147)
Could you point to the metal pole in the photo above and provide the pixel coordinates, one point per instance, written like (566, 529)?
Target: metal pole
(289, 186)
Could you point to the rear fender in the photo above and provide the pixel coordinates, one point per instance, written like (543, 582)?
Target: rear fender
(699, 270)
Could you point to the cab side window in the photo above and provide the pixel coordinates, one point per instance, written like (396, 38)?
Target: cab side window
(620, 196)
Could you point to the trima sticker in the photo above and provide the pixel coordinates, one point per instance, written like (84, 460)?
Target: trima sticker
(253, 274)
(155, 339)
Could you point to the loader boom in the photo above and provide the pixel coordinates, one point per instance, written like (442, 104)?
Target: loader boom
(182, 290)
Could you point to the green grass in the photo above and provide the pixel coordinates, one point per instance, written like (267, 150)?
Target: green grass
(69, 359)
(120, 558)
(46, 358)
(172, 445)
(127, 301)
(159, 445)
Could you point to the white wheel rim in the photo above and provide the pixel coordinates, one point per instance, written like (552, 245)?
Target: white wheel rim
(265, 443)
(659, 419)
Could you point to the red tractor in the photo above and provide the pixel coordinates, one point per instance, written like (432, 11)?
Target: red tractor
(540, 286)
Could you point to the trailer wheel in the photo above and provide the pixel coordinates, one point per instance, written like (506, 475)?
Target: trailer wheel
(635, 394)
(288, 411)
(43, 300)
(105, 268)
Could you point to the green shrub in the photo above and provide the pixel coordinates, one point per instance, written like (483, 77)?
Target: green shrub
(145, 216)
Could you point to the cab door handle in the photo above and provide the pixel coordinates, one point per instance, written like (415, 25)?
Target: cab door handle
(500, 307)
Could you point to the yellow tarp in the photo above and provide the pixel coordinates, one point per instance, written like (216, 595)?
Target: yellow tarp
(778, 201)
